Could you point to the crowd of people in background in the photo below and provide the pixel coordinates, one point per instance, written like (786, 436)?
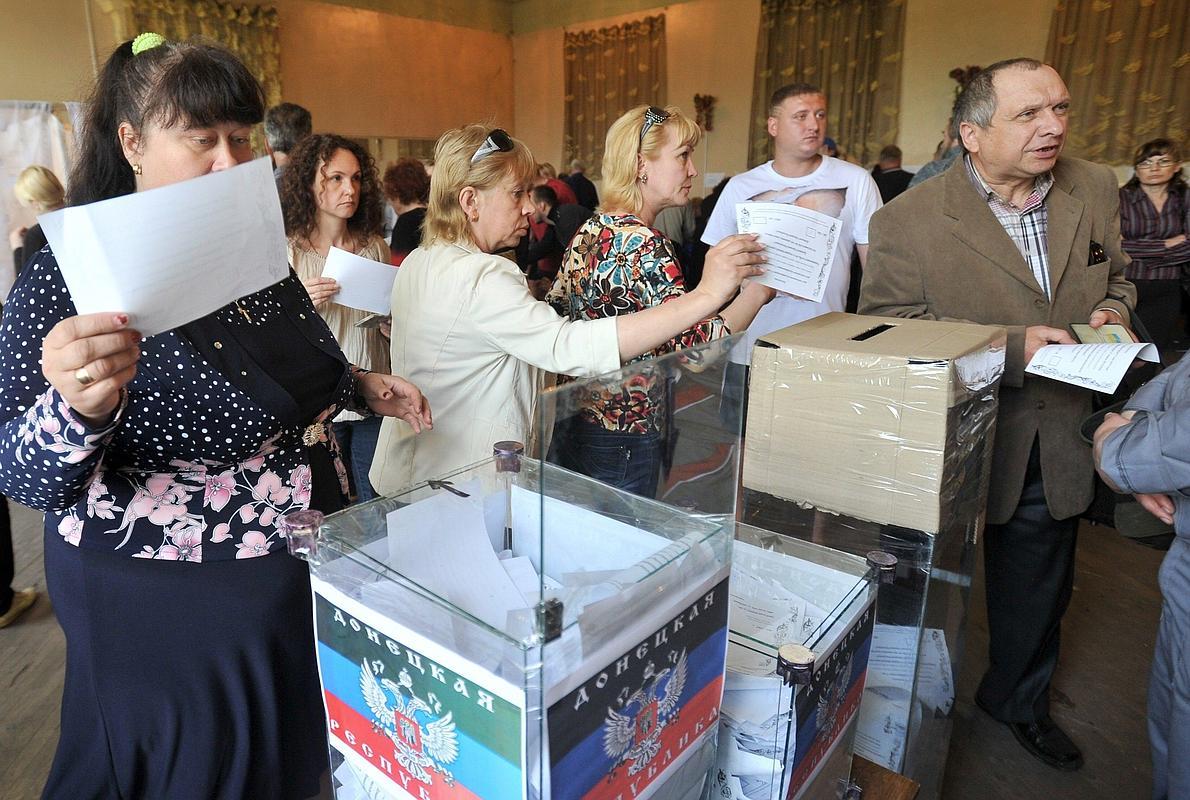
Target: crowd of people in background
(506, 271)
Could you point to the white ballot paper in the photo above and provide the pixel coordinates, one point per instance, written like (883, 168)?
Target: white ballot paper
(363, 283)
(441, 543)
(1092, 366)
(799, 244)
(171, 255)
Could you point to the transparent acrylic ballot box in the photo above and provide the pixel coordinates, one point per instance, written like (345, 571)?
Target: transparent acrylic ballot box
(800, 632)
(907, 711)
(520, 630)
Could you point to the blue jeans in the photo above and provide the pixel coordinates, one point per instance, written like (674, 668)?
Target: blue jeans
(357, 440)
(628, 461)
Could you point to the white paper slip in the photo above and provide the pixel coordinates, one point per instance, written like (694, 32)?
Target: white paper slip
(363, 283)
(441, 543)
(799, 244)
(171, 255)
(1092, 366)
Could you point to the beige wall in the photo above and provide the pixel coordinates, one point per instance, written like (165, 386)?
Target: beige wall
(367, 73)
(45, 52)
(938, 38)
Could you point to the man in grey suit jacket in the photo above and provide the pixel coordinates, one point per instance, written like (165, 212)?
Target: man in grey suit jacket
(1014, 235)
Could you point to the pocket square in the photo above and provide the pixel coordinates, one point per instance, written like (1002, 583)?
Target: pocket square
(1097, 254)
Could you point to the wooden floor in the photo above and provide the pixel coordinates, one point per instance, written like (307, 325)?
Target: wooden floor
(1099, 692)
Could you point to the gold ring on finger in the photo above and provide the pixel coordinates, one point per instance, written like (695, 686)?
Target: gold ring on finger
(82, 376)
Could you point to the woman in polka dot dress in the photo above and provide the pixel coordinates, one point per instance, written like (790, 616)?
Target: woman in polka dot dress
(163, 465)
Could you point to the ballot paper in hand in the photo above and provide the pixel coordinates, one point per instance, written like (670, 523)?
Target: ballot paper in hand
(799, 245)
(1092, 366)
(171, 255)
(363, 283)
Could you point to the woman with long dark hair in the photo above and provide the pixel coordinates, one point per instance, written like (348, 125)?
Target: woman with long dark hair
(163, 465)
(331, 197)
(1154, 222)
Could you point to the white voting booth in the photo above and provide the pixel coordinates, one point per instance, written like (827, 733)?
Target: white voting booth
(516, 630)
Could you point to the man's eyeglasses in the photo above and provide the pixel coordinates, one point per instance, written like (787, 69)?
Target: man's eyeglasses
(498, 141)
(653, 116)
(1155, 163)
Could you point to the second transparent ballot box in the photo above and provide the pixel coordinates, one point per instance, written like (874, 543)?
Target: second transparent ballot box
(520, 629)
(801, 629)
(873, 433)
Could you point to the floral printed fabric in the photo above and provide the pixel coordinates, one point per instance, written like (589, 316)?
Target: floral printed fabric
(189, 469)
(618, 265)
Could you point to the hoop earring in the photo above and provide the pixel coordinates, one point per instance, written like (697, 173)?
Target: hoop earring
(136, 170)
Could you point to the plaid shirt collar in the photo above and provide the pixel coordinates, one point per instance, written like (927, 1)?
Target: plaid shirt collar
(1041, 188)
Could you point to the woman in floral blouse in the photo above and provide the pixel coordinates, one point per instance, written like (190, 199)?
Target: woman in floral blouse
(163, 466)
(618, 263)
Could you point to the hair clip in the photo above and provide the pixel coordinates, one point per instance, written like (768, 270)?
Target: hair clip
(146, 41)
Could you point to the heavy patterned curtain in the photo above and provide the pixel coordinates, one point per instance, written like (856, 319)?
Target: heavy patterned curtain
(248, 31)
(851, 49)
(609, 71)
(1127, 65)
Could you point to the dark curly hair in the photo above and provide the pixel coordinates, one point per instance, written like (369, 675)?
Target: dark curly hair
(407, 181)
(298, 200)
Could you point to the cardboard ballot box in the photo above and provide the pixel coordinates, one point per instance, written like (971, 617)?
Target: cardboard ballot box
(788, 716)
(871, 417)
(517, 630)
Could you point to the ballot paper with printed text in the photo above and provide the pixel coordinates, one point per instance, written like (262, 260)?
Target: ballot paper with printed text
(1092, 366)
(174, 254)
(799, 245)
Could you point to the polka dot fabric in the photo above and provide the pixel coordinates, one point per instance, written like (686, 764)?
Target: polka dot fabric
(191, 468)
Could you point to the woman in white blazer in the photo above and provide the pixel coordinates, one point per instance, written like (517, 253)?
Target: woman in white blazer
(467, 331)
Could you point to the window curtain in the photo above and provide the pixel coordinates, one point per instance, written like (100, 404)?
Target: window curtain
(1127, 65)
(851, 49)
(248, 31)
(607, 72)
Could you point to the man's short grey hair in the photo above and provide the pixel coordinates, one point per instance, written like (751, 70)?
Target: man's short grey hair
(577, 166)
(285, 125)
(976, 104)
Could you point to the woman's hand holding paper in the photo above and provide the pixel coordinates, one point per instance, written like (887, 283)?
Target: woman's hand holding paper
(89, 359)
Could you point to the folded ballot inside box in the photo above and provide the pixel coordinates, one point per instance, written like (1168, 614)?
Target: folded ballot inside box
(876, 418)
(779, 740)
(478, 635)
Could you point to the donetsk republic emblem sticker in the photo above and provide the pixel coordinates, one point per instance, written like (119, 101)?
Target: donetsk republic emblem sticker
(423, 741)
(633, 733)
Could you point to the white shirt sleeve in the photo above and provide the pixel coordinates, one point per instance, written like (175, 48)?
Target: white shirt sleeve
(867, 203)
(530, 330)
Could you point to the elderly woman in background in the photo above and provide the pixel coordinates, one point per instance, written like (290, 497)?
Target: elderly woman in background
(618, 263)
(163, 466)
(1154, 222)
(466, 328)
(331, 198)
(38, 189)
(407, 185)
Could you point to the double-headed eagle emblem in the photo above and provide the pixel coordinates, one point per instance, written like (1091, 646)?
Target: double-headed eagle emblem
(633, 734)
(419, 748)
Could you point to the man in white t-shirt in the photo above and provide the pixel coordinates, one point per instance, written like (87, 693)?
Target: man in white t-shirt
(799, 175)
